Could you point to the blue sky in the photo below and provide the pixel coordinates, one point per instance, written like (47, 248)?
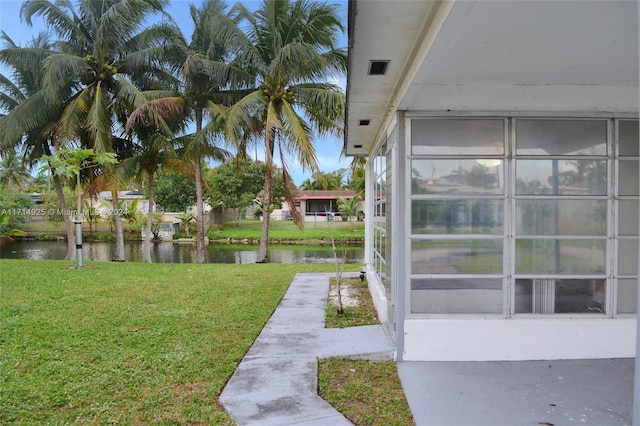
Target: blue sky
(328, 149)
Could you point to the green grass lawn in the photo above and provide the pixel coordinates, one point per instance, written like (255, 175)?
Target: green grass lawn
(248, 229)
(129, 343)
(287, 230)
(365, 392)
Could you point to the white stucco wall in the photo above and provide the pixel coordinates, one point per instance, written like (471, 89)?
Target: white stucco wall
(376, 288)
(518, 339)
(530, 98)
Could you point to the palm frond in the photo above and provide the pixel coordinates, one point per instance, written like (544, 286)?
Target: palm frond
(221, 74)
(321, 24)
(203, 144)
(241, 115)
(299, 138)
(25, 61)
(26, 117)
(156, 112)
(72, 121)
(10, 94)
(226, 31)
(315, 67)
(123, 18)
(324, 104)
(290, 191)
(127, 94)
(58, 15)
(7, 42)
(58, 70)
(179, 166)
(98, 121)
(272, 126)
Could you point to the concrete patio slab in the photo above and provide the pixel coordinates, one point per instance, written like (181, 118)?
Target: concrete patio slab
(522, 393)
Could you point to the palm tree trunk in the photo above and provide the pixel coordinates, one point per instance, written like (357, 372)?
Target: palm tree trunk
(146, 245)
(68, 226)
(118, 255)
(199, 213)
(266, 201)
(199, 196)
(266, 205)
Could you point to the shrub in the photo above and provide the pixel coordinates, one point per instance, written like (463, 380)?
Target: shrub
(13, 211)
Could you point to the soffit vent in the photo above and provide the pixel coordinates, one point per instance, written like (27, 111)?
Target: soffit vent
(378, 67)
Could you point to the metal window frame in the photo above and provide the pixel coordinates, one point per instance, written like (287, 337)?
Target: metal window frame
(509, 196)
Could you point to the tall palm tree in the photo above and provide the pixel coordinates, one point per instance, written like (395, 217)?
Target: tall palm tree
(154, 151)
(204, 76)
(103, 51)
(28, 122)
(290, 47)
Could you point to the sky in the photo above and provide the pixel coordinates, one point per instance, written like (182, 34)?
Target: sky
(328, 149)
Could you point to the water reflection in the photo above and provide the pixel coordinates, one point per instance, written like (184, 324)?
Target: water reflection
(168, 252)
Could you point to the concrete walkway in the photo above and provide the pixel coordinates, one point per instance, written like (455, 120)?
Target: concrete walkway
(276, 382)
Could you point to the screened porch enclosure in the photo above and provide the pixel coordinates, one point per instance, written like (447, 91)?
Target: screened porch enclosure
(511, 216)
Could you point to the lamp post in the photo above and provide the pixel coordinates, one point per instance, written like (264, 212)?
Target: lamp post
(78, 223)
(70, 162)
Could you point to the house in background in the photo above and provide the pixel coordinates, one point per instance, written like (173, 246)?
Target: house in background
(315, 205)
(137, 198)
(318, 205)
(502, 199)
(126, 198)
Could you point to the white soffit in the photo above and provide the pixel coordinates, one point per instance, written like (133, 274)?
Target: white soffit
(490, 55)
(379, 30)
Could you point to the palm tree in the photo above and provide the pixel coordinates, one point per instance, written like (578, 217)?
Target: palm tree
(102, 54)
(14, 172)
(153, 152)
(289, 47)
(357, 174)
(70, 163)
(28, 123)
(349, 207)
(204, 74)
(324, 181)
(307, 185)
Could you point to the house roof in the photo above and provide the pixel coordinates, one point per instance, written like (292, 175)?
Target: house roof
(479, 55)
(122, 195)
(318, 195)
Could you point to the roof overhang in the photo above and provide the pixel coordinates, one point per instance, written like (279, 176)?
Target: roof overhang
(483, 55)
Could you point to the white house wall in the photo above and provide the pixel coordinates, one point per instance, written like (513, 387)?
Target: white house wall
(562, 59)
(515, 340)
(531, 98)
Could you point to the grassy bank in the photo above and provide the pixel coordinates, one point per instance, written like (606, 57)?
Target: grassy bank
(288, 231)
(129, 343)
(279, 232)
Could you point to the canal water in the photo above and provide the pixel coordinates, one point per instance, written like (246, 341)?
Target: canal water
(169, 252)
